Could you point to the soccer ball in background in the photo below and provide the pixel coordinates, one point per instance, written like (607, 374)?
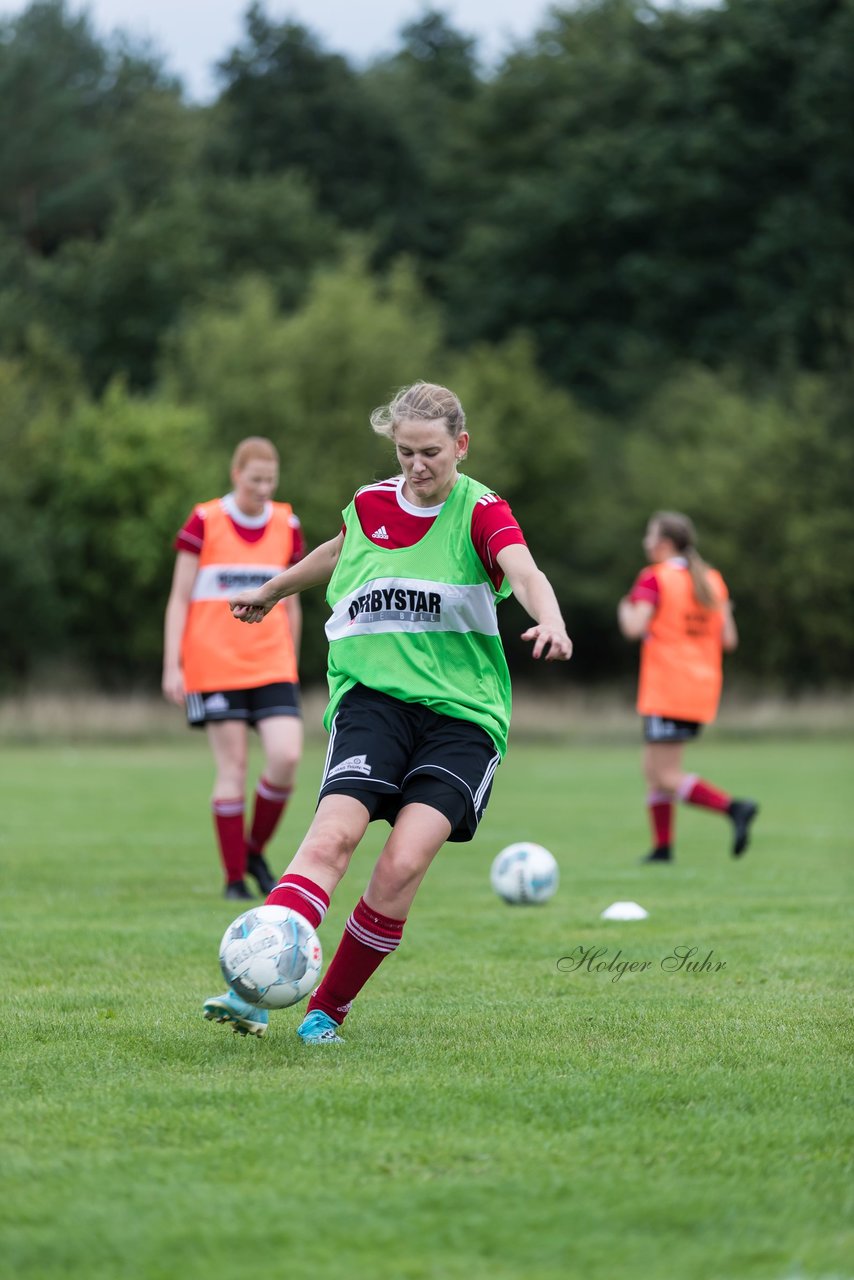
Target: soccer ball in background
(270, 956)
(524, 873)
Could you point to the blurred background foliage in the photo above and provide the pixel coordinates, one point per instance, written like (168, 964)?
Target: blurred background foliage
(629, 247)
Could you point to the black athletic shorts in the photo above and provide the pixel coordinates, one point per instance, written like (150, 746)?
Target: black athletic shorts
(388, 753)
(663, 729)
(249, 705)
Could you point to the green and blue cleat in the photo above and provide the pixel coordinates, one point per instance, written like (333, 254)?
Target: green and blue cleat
(318, 1028)
(246, 1019)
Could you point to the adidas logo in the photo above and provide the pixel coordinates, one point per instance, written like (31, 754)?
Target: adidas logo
(380, 533)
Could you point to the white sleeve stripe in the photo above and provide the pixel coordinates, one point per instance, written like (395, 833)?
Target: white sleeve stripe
(379, 487)
(494, 534)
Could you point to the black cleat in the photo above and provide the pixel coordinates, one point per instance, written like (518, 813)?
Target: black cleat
(237, 890)
(661, 854)
(256, 865)
(742, 813)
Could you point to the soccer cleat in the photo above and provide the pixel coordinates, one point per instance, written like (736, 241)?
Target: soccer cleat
(742, 813)
(318, 1028)
(237, 890)
(661, 854)
(256, 865)
(246, 1019)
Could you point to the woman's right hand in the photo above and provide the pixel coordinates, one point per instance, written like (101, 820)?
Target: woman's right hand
(251, 606)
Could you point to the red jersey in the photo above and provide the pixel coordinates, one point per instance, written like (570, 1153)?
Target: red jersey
(191, 535)
(388, 519)
(645, 587)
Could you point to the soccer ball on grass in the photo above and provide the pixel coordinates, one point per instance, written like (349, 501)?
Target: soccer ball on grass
(524, 873)
(270, 956)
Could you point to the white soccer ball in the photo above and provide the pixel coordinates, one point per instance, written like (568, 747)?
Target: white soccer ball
(270, 956)
(524, 873)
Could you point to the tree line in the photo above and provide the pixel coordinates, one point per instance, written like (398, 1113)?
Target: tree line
(629, 247)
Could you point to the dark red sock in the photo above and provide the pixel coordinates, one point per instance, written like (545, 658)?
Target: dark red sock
(228, 820)
(695, 791)
(270, 804)
(301, 895)
(367, 939)
(660, 805)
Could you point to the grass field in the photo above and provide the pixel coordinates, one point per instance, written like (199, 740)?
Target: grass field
(490, 1115)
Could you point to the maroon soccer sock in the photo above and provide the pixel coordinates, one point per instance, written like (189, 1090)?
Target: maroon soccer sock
(367, 939)
(301, 895)
(694, 790)
(270, 804)
(660, 806)
(228, 821)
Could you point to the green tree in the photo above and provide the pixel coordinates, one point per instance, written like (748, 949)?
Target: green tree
(35, 396)
(431, 88)
(645, 184)
(76, 138)
(113, 300)
(118, 477)
(289, 105)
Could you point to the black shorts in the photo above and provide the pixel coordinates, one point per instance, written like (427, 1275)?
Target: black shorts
(249, 705)
(663, 729)
(388, 753)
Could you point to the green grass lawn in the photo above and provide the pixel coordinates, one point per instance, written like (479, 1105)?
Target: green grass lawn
(489, 1114)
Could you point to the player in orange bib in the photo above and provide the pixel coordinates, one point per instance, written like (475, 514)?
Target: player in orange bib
(227, 677)
(679, 609)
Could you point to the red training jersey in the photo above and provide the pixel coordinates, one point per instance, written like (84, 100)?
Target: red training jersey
(191, 535)
(388, 519)
(645, 588)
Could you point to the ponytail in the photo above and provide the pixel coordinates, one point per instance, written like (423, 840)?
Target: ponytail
(680, 530)
(699, 571)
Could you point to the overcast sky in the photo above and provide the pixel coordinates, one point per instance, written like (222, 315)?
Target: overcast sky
(193, 34)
